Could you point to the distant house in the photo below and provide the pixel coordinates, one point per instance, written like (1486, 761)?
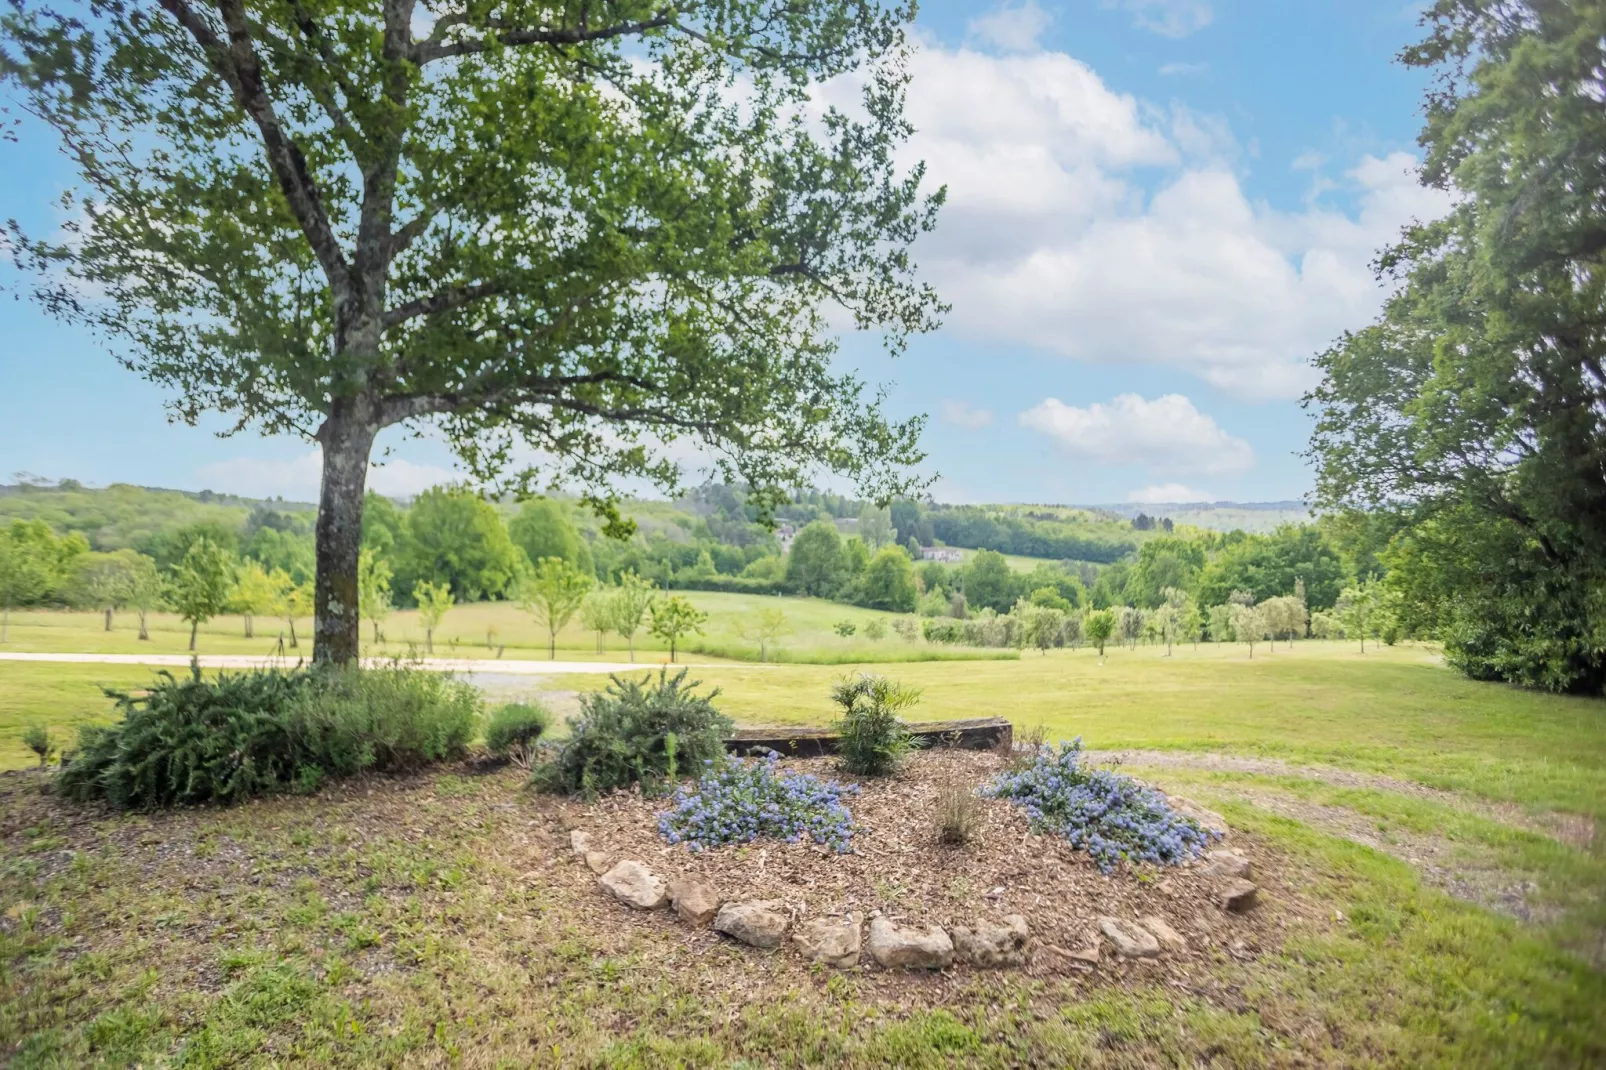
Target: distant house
(784, 534)
(945, 554)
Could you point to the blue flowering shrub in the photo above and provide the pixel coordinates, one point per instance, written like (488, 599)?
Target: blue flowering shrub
(1110, 816)
(739, 802)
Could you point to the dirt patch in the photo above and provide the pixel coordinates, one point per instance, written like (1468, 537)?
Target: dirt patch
(899, 868)
(1573, 830)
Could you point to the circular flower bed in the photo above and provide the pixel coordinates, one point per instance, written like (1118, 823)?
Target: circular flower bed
(738, 802)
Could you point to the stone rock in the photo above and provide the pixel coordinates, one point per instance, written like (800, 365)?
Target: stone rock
(695, 901)
(1230, 864)
(1240, 897)
(904, 947)
(831, 941)
(758, 922)
(1206, 819)
(1131, 941)
(992, 946)
(1058, 960)
(579, 843)
(1168, 937)
(597, 862)
(634, 885)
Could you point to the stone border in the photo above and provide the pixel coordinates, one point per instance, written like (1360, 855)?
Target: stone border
(838, 940)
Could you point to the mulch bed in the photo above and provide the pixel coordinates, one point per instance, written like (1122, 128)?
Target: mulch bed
(899, 868)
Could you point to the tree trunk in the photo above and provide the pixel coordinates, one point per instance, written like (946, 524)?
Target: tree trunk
(250, 627)
(108, 618)
(671, 651)
(194, 627)
(295, 643)
(143, 633)
(347, 438)
(429, 640)
(632, 647)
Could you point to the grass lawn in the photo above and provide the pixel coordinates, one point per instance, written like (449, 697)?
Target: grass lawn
(478, 629)
(424, 921)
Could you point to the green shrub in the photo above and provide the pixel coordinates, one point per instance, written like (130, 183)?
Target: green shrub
(874, 741)
(190, 741)
(516, 726)
(388, 720)
(637, 732)
(197, 741)
(37, 739)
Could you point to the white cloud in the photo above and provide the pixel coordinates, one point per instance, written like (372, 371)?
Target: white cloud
(1011, 28)
(1168, 494)
(298, 478)
(1088, 223)
(1169, 18)
(964, 414)
(1178, 70)
(1167, 434)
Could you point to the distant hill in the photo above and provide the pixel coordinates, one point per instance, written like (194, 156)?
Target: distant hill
(1255, 517)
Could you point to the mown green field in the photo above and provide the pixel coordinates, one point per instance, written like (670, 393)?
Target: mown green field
(400, 923)
(480, 629)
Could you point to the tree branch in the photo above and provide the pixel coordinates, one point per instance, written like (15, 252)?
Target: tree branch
(443, 300)
(437, 46)
(237, 64)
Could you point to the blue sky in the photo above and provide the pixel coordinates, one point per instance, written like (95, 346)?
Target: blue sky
(1159, 210)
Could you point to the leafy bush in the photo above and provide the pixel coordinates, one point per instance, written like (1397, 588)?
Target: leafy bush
(191, 741)
(739, 802)
(874, 741)
(37, 739)
(516, 725)
(1111, 816)
(196, 740)
(844, 628)
(637, 732)
(388, 720)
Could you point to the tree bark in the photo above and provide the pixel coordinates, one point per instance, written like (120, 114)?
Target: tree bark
(250, 630)
(194, 627)
(143, 632)
(347, 437)
(108, 618)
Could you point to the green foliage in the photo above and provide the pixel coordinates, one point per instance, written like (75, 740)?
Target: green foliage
(383, 720)
(990, 582)
(889, 582)
(872, 739)
(1164, 562)
(35, 564)
(765, 627)
(817, 564)
(1471, 410)
(844, 628)
(622, 735)
(373, 589)
(552, 591)
(517, 724)
(631, 600)
(1099, 627)
(37, 739)
(1272, 565)
(191, 741)
(673, 619)
(542, 529)
(455, 538)
(202, 583)
(196, 740)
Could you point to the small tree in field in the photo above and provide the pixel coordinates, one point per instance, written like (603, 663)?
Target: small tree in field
(553, 591)
(256, 590)
(596, 614)
(104, 581)
(433, 602)
(202, 583)
(631, 600)
(146, 589)
(1099, 627)
(590, 228)
(295, 602)
(1355, 609)
(373, 590)
(765, 627)
(1248, 625)
(673, 619)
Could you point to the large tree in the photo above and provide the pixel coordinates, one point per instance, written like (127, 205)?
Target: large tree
(1476, 406)
(582, 228)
